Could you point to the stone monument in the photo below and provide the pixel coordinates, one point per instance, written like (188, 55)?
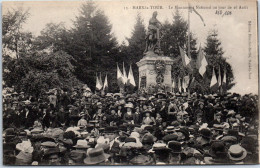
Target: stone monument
(154, 67)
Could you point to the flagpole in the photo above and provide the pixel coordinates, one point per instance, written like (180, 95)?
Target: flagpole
(96, 84)
(189, 32)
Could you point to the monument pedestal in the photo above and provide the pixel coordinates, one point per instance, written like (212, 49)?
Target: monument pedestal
(155, 73)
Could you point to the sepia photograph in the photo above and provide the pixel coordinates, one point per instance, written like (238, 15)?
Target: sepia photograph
(130, 82)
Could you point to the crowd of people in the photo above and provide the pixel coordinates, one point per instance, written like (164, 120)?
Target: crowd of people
(77, 127)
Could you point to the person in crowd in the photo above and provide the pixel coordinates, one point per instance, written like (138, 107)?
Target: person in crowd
(82, 128)
(82, 122)
(148, 119)
(129, 116)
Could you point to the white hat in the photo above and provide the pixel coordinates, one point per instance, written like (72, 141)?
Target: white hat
(27, 102)
(25, 146)
(82, 144)
(135, 135)
(129, 105)
(236, 152)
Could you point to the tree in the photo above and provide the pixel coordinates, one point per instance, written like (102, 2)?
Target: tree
(40, 71)
(92, 44)
(53, 37)
(134, 51)
(214, 55)
(136, 41)
(13, 39)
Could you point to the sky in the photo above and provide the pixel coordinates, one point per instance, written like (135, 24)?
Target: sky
(232, 28)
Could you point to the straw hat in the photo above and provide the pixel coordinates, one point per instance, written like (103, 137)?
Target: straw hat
(82, 144)
(96, 156)
(236, 152)
(49, 144)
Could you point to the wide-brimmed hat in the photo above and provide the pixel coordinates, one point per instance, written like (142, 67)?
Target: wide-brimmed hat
(148, 138)
(36, 130)
(27, 102)
(99, 104)
(205, 133)
(82, 144)
(105, 147)
(77, 156)
(170, 137)
(148, 128)
(82, 114)
(135, 135)
(132, 145)
(147, 111)
(230, 139)
(130, 139)
(9, 132)
(22, 133)
(49, 144)
(141, 160)
(160, 93)
(109, 95)
(95, 156)
(161, 150)
(218, 149)
(236, 152)
(159, 146)
(219, 114)
(185, 132)
(130, 99)
(175, 146)
(129, 105)
(64, 140)
(170, 129)
(141, 98)
(52, 151)
(15, 93)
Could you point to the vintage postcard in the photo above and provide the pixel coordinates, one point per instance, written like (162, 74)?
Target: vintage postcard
(130, 82)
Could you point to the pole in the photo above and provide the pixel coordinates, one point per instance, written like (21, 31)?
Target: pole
(189, 31)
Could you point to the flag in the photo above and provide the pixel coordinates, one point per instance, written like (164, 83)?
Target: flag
(213, 79)
(130, 79)
(224, 82)
(193, 9)
(98, 85)
(173, 83)
(224, 77)
(124, 74)
(179, 85)
(192, 82)
(185, 82)
(219, 77)
(100, 79)
(105, 87)
(184, 85)
(185, 59)
(120, 80)
(202, 62)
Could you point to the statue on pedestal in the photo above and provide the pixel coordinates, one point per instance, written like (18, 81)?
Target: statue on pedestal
(154, 35)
